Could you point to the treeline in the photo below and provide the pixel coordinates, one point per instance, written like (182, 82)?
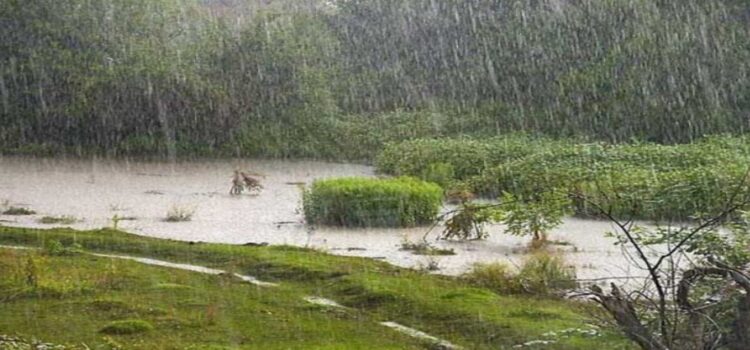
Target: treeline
(316, 79)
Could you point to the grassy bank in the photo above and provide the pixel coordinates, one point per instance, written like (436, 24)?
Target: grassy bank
(189, 310)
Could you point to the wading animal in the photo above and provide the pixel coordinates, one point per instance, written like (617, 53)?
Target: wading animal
(251, 183)
(242, 181)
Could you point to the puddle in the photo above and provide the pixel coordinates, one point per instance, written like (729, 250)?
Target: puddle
(94, 191)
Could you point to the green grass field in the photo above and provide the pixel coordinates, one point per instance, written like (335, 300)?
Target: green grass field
(74, 298)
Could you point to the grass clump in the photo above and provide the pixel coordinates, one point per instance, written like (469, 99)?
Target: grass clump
(18, 211)
(364, 202)
(124, 327)
(51, 220)
(424, 248)
(56, 248)
(178, 214)
(542, 274)
(499, 277)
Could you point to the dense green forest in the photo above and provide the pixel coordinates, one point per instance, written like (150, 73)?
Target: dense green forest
(314, 78)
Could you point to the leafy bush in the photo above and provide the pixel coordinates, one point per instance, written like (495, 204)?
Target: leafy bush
(127, 327)
(363, 202)
(534, 215)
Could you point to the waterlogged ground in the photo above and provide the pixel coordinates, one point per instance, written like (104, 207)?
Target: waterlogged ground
(94, 191)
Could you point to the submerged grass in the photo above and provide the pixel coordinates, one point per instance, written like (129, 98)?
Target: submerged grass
(18, 211)
(190, 309)
(51, 220)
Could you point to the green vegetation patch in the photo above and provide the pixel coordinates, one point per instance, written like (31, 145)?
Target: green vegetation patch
(642, 180)
(364, 202)
(540, 274)
(127, 327)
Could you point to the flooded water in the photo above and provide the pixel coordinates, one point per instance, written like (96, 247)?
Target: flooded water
(94, 191)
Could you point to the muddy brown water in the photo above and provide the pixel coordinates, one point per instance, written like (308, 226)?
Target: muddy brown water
(96, 190)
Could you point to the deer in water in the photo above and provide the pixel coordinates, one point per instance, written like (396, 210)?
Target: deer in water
(242, 181)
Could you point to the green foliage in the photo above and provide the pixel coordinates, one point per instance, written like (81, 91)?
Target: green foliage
(534, 215)
(542, 274)
(728, 245)
(363, 202)
(124, 327)
(467, 222)
(646, 181)
(468, 157)
(499, 277)
(55, 248)
(439, 173)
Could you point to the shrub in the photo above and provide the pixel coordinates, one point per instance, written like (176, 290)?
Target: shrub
(543, 273)
(127, 327)
(497, 276)
(363, 202)
(468, 222)
(534, 215)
